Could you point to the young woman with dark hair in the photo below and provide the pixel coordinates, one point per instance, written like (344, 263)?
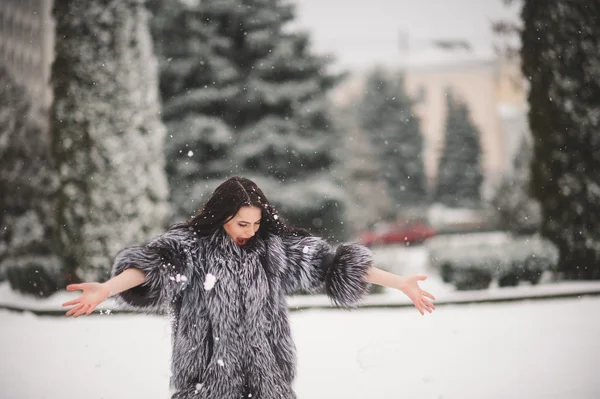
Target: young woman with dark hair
(223, 277)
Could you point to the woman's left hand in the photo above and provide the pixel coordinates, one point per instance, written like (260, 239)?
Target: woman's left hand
(410, 286)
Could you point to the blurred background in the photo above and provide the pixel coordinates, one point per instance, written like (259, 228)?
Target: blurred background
(455, 138)
(387, 123)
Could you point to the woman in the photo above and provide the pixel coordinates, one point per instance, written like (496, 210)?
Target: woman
(223, 277)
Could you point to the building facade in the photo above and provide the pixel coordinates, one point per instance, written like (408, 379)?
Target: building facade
(472, 79)
(491, 88)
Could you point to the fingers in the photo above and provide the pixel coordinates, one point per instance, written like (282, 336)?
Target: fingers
(423, 304)
(90, 310)
(421, 278)
(428, 295)
(74, 287)
(73, 302)
(420, 310)
(427, 305)
(82, 310)
(423, 308)
(73, 310)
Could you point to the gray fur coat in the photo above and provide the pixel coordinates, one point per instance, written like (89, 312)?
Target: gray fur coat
(230, 330)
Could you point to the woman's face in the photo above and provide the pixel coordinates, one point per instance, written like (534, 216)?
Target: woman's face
(244, 224)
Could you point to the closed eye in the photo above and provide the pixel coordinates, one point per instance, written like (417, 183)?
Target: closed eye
(244, 224)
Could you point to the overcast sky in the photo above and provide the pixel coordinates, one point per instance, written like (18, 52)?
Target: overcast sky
(360, 33)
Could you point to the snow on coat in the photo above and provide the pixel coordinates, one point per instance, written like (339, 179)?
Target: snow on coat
(231, 334)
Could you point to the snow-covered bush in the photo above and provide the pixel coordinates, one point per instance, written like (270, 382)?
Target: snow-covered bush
(35, 275)
(27, 180)
(517, 211)
(472, 261)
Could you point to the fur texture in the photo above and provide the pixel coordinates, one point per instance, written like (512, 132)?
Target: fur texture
(233, 339)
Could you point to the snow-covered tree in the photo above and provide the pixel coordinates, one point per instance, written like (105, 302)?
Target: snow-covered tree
(108, 140)
(518, 211)
(293, 163)
(242, 94)
(360, 166)
(198, 141)
(460, 172)
(27, 184)
(385, 113)
(561, 58)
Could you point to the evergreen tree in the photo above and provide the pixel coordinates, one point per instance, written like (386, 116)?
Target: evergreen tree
(460, 173)
(386, 114)
(560, 57)
(245, 95)
(27, 185)
(107, 135)
(519, 212)
(360, 166)
(199, 142)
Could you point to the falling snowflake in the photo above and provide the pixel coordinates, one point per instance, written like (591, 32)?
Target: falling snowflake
(220, 362)
(180, 278)
(209, 283)
(305, 250)
(190, 153)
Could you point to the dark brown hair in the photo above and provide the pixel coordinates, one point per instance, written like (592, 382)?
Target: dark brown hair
(225, 203)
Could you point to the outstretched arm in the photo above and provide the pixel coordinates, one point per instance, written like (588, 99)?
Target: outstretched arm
(94, 293)
(346, 272)
(407, 284)
(145, 277)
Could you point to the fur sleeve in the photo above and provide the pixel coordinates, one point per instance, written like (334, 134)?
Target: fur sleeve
(166, 261)
(312, 264)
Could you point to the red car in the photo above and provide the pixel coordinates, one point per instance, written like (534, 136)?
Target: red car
(398, 233)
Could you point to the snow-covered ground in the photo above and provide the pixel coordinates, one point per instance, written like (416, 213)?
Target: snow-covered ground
(526, 349)
(530, 350)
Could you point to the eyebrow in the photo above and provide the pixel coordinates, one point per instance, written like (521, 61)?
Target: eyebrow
(243, 221)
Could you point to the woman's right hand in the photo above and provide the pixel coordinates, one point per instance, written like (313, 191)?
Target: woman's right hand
(93, 294)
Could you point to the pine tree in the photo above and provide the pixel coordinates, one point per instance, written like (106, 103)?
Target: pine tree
(107, 135)
(519, 212)
(368, 197)
(246, 96)
(198, 142)
(27, 185)
(386, 114)
(560, 57)
(460, 173)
